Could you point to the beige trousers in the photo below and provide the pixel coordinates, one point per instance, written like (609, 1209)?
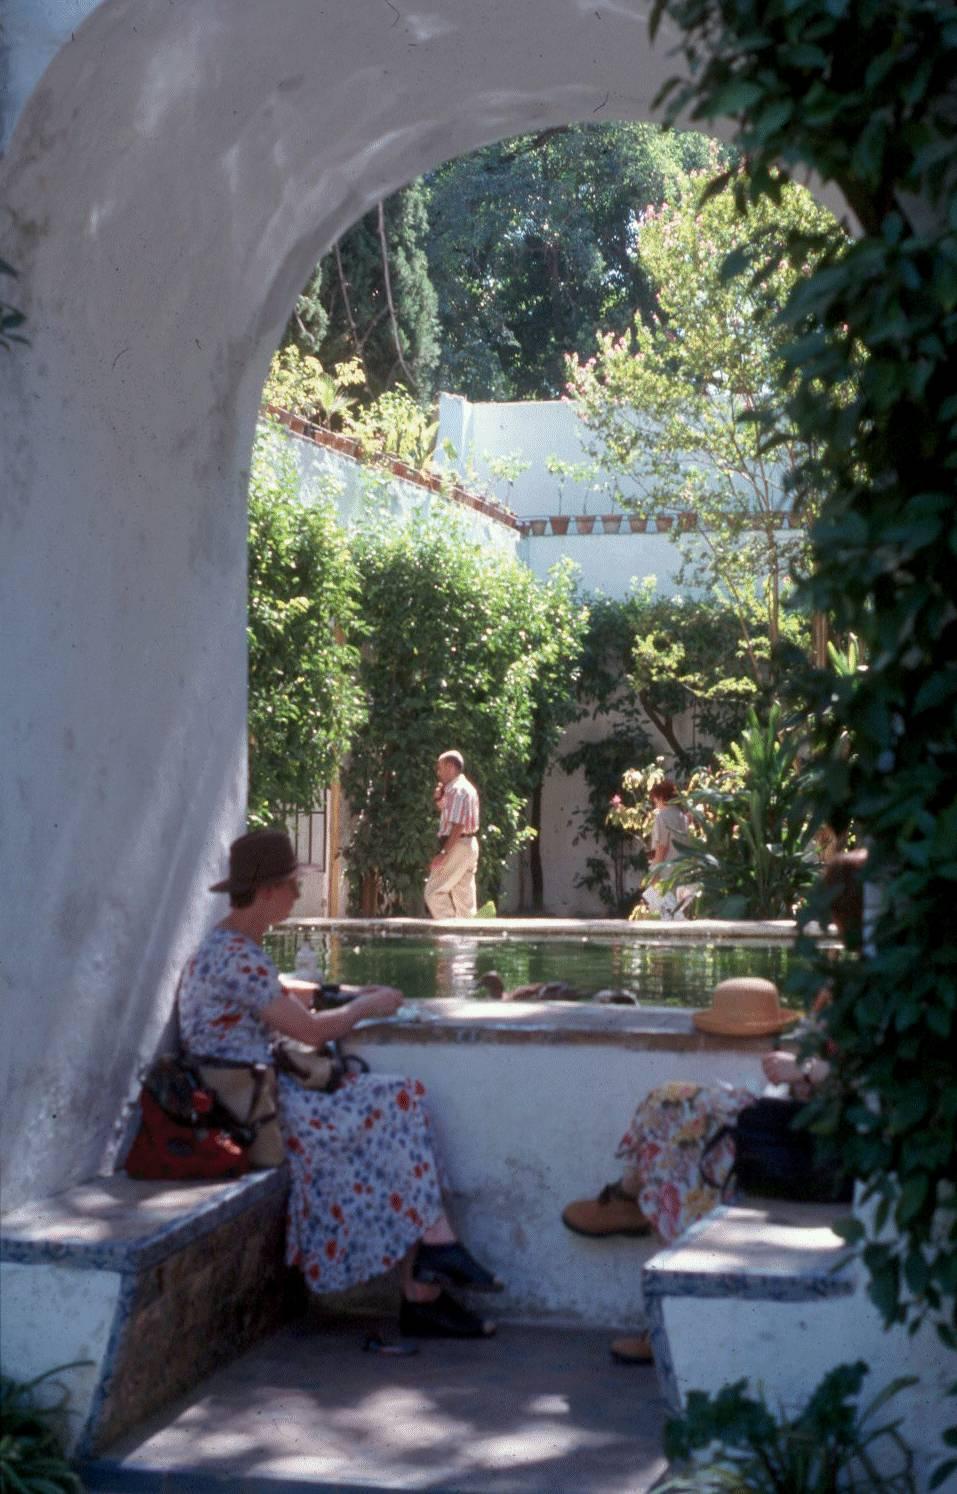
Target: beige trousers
(450, 889)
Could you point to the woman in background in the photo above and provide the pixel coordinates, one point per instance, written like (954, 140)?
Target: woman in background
(669, 829)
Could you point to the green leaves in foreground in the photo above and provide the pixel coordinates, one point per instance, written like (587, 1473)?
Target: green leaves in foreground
(831, 1444)
(869, 108)
(31, 1458)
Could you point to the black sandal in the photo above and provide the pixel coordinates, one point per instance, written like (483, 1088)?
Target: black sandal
(442, 1318)
(453, 1266)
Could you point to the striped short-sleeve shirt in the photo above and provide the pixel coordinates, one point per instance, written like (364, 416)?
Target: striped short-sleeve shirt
(460, 806)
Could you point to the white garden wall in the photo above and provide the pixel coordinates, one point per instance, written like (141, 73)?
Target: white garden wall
(171, 181)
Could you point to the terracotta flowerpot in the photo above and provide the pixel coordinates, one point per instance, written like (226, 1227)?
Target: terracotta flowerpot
(663, 522)
(610, 523)
(584, 523)
(559, 523)
(536, 526)
(687, 520)
(638, 523)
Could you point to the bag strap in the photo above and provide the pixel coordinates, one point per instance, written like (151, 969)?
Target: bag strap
(714, 1142)
(352, 1063)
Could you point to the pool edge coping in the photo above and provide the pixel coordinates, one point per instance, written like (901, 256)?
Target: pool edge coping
(708, 930)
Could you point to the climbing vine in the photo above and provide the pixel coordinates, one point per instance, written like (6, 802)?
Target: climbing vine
(305, 702)
(862, 93)
(466, 650)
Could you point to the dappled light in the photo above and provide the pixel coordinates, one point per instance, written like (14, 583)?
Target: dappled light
(534, 1408)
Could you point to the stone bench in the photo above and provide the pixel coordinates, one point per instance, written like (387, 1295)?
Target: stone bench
(737, 1285)
(769, 1293)
(529, 1102)
(153, 1283)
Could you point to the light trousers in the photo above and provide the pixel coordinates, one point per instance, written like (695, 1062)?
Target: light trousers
(450, 889)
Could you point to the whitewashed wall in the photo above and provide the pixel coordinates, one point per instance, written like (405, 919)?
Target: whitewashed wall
(363, 490)
(170, 182)
(533, 430)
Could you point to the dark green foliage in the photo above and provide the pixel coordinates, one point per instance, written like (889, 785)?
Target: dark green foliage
(752, 850)
(671, 663)
(345, 310)
(616, 872)
(862, 93)
(304, 700)
(309, 323)
(509, 258)
(31, 1457)
(532, 250)
(467, 650)
(828, 1446)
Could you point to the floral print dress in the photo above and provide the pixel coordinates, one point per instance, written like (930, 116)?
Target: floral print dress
(663, 1145)
(366, 1181)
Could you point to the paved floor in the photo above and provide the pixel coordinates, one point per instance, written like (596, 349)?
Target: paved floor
(532, 1411)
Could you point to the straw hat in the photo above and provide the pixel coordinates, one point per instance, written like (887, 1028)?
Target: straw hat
(746, 1006)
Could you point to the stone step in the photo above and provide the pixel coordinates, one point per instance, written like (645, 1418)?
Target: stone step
(770, 1294)
(148, 1285)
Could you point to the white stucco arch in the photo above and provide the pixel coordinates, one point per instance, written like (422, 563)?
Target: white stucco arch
(171, 181)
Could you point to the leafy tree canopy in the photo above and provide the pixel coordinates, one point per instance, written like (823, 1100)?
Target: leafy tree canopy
(371, 299)
(481, 277)
(689, 404)
(533, 249)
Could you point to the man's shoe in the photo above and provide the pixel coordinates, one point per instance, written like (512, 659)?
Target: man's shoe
(634, 1350)
(613, 1212)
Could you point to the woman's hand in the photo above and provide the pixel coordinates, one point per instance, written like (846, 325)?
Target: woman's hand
(780, 1068)
(376, 1001)
(784, 1068)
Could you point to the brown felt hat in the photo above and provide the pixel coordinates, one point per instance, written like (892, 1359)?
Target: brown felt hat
(256, 859)
(746, 1006)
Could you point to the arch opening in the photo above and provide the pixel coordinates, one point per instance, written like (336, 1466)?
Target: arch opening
(172, 180)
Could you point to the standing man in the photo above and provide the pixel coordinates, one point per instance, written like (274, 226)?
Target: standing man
(450, 889)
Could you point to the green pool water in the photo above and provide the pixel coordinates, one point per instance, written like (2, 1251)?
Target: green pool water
(447, 965)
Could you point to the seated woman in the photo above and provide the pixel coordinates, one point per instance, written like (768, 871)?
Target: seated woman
(661, 1189)
(367, 1184)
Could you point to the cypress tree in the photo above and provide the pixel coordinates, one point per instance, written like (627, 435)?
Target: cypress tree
(371, 297)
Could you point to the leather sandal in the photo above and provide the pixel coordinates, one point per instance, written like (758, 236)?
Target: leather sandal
(452, 1265)
(441, 1318)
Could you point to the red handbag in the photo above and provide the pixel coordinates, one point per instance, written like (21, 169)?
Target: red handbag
(173, 1142)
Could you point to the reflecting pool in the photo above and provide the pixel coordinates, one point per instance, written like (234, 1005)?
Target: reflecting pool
(448, 965)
